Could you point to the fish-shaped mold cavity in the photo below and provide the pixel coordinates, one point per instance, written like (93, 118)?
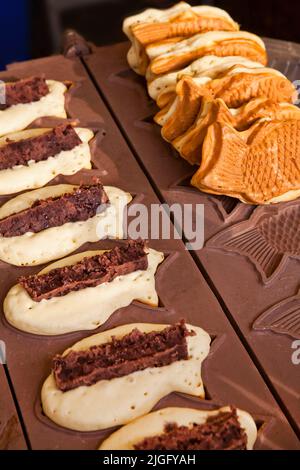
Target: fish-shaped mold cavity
(282, 318)
(229, 208)
(189, 144)
(170, 57)
(258, 166)
(268, 239)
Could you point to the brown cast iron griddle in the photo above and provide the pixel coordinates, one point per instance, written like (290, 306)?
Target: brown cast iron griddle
(229, 374)
(11, 435)
(249, 289)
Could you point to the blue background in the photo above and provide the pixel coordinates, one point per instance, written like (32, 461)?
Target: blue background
(14, 31)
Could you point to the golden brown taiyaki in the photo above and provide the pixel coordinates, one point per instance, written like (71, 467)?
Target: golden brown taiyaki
(258, 166)
(165, 58)
(234, 89)
(167, 27)
(180, 114)
(189, 144)
(239, 84)
(162, 87)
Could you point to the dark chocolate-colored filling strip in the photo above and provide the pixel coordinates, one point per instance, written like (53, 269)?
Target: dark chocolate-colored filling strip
(24, 91)
(134, 352)
(220, 432)
(89, 272)
(60, 138)
(79, 205)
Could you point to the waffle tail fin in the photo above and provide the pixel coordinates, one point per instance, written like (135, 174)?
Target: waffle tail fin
(189, 98)
(189, 145)
(223, 154)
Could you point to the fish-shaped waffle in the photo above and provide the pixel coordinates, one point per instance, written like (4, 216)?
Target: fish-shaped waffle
(282, 318)
(189, 144)
(180, 115)
(161, 88)
(258, 166)
(235, 88)
(165, 58)
(268, 239)
(167, 27)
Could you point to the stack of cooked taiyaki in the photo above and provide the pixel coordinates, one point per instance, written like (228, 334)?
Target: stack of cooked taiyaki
(220, 106)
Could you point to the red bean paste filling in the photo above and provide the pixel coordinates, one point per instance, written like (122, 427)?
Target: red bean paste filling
(79, 205)
(220, 432)
(136, 351)
(60, 138)
(24, 91)
(89, 272)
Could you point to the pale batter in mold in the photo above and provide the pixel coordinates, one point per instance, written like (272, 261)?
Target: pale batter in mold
(19, 116)
(85, 309)
(153, 424)
(100, 406)
(32, 249)
(37, 174)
